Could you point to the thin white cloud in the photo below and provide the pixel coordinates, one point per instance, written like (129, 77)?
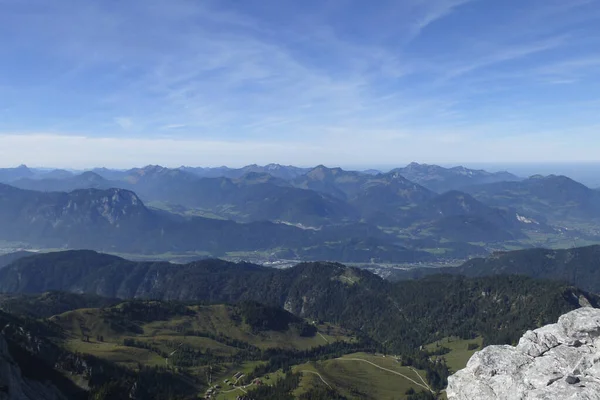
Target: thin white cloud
(506, 53)
(175, 126)
(570, 71)
(434, 11)
(124, 122)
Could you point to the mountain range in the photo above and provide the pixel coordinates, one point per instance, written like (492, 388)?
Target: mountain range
(285, 172)
(117, 220)
(327, 291)
(319, 212)
(556, 198)
(440, 179)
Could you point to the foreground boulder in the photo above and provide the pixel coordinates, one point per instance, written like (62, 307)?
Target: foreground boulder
(558, 361)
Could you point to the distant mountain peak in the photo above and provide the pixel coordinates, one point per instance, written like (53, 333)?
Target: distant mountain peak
(113, 205)
(90, 175)
(537, 176)
(556, 179)
(258, 177)
(114, 194)
(153, 168)
(395, 175)
(276, 167)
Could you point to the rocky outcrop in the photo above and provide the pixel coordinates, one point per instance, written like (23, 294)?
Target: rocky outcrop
(558, 361)
(14, 386)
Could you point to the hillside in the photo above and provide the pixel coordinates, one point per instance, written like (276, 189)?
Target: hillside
(285, 172)
(117, 220)
(164, 350)
(351, 297)
(251, 197)
(37, 364)
(346, 216)
(386, 198)
(321, 196)
(367, 192)
(48, 304)
(458, 216)
(440, 179)
(577, 266)
(314, 318)
(382, 198)
(6, 259)
(332, 181)
(12, 174)
(556, 198)
(65, 183)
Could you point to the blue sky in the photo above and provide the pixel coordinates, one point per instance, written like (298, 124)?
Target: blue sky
(339, 82)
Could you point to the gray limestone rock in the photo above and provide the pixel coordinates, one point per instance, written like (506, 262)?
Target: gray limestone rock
(13, 386)
(558, 361)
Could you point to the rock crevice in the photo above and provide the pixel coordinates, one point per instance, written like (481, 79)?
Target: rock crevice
(558, 361)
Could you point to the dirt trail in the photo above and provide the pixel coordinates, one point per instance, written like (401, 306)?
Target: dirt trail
(388, 370)
(319, 375)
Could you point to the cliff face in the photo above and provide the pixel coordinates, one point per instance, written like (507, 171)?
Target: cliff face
(558, 361)
(14, 386)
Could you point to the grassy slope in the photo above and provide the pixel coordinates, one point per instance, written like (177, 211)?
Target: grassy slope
(460, 354)
(216, 319)
(355, 379)
(360, 380)
(164, 335)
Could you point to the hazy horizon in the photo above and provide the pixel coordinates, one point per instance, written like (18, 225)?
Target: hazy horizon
(587, 173)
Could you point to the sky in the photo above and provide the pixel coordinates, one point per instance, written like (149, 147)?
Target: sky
(335, 82)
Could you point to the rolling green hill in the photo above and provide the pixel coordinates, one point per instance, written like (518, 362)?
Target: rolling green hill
(403, 314)
(166, 351)
(577, 266)
(48, 304)
(316, 329)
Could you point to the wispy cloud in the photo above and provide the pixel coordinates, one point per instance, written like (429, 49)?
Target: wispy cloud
(175, 126)
(287, 72)
(506, 54)
(124, 122)
(570, 71)
(434, 11)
